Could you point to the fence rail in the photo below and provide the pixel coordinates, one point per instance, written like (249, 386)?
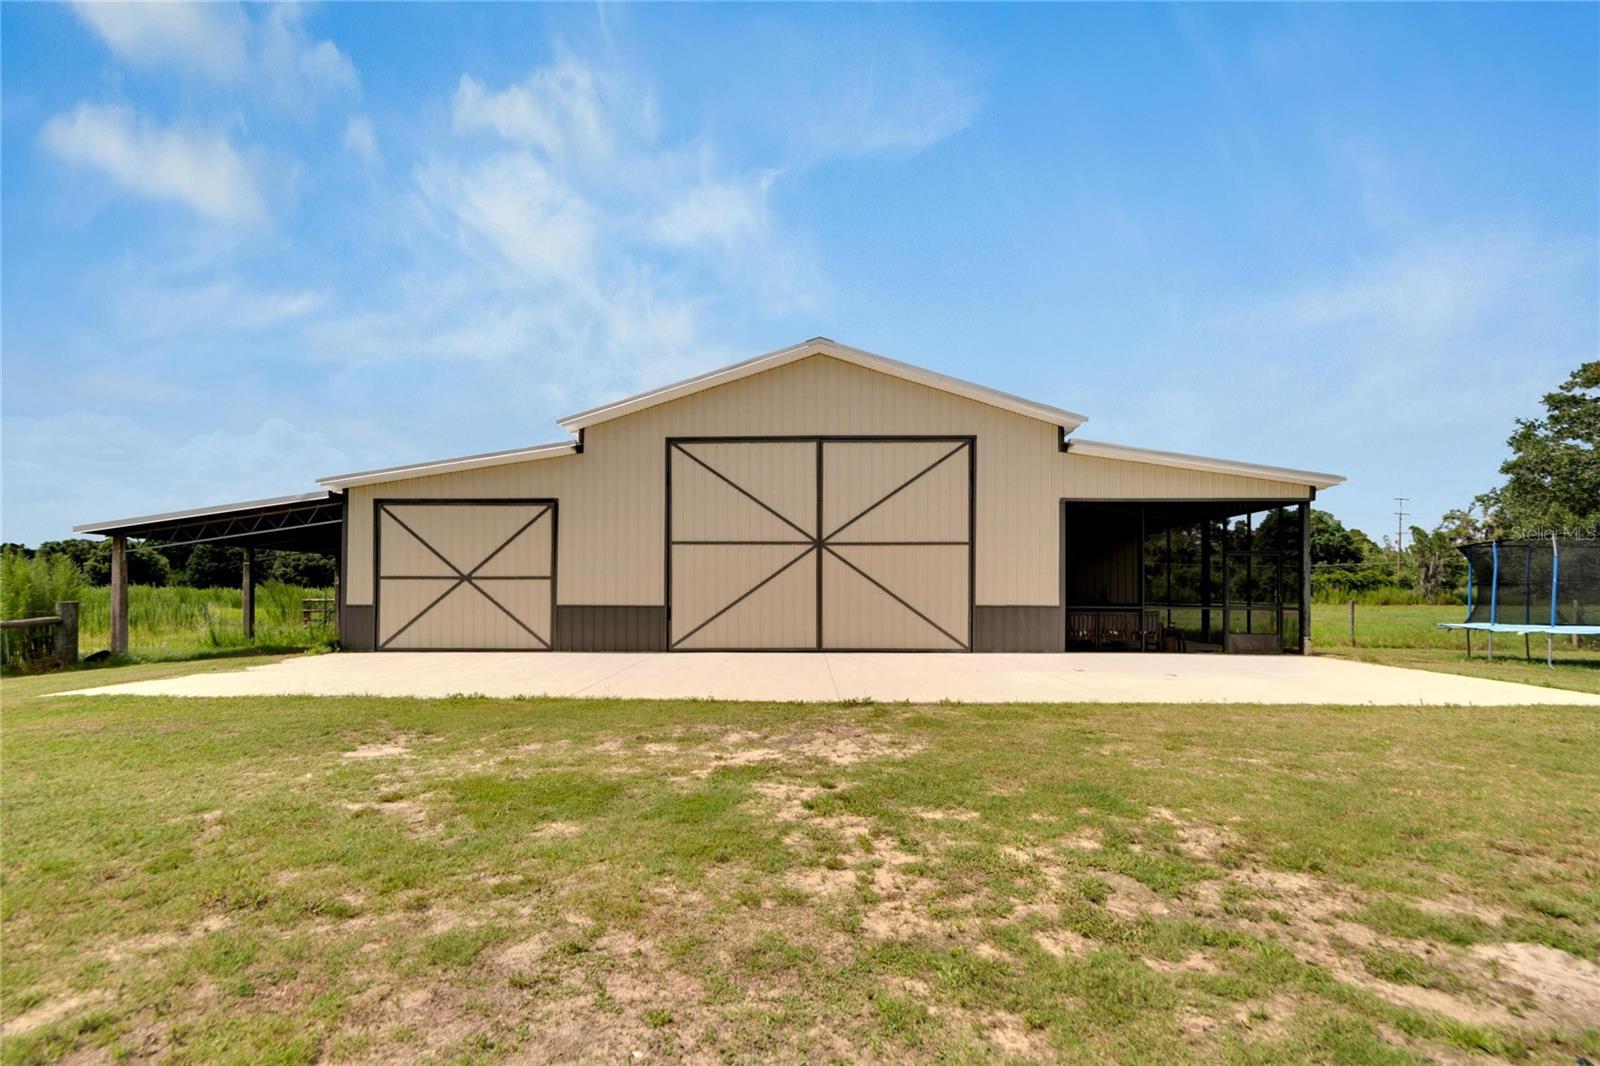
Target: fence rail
(56, 647)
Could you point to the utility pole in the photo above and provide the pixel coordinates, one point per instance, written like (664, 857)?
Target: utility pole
(1399, 531)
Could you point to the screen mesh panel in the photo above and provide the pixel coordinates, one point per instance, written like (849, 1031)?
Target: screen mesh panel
(1511, 581)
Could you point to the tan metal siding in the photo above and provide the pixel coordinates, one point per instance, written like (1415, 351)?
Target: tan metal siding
(612, 495)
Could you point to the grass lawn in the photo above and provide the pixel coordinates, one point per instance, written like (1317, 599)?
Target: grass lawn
(299, 880)
(1409, 636)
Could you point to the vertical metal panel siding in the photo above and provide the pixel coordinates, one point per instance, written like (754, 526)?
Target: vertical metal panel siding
(612, 501)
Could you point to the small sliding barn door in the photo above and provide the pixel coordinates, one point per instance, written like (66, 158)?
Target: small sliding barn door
(465, 575)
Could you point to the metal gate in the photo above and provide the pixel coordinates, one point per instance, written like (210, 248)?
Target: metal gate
(465, 575)
(806, 543)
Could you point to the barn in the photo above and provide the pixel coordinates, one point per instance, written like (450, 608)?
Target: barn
(815, 497)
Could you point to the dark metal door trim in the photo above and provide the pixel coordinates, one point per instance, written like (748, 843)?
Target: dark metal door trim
(820, 543)
(550, 507)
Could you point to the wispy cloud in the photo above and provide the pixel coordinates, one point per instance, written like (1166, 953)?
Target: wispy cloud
(271, 55)
(361, 142)
(556, 227)
(206, 39)
(202, 171)
(557, 109)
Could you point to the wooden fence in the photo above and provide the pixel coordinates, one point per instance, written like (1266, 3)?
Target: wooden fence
(50, 640)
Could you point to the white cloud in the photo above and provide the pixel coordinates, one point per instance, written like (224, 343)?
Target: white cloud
(272, 55)
(209, 39)
(557, 110)
(716, 212)
(590, 245)
(203, 171)
(361, 142)
(882, 94)
(527, 214)
(294, 70)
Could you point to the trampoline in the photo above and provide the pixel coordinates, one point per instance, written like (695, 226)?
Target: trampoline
(1549, 586)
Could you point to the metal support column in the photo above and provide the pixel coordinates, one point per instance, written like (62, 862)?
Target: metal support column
(1305, 578)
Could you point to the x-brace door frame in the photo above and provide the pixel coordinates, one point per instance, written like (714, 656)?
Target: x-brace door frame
(819, 540)
(551, 509)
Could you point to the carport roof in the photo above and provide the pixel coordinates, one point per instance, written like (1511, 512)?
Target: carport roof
(307, 522)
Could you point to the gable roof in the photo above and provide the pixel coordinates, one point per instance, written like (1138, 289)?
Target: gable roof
(1055, 416)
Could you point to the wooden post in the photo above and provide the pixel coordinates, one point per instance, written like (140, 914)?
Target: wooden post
(119, 594)
(1352, 623)
(247, 594)
(67, 632)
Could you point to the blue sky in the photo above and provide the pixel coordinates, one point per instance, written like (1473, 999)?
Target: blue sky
(246, 247)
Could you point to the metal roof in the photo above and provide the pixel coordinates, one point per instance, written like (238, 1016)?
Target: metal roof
(447, 466)
(306, 522)
(1128, 453)
(1055, 416)
(123, 525)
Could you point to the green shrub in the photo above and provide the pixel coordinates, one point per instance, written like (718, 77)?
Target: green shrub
(32, 587)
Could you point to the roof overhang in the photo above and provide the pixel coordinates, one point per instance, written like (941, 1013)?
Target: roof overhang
(450, 466)
(1127, 453)
(1055, 416)
(307, 522)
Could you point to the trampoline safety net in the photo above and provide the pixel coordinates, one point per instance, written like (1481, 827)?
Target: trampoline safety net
(1548, 582)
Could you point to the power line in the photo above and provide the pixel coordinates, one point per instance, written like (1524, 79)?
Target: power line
(1399, 531)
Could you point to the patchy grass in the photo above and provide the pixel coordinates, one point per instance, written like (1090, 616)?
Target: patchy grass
(1409, 636)
(298, 880)
(1576, 671)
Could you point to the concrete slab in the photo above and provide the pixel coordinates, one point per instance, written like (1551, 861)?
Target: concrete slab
(830, 676)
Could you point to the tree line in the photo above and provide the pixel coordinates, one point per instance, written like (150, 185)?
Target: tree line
(1551, 486)
(194, 566)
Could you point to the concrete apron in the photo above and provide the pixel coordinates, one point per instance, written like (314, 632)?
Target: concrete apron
(835, 676)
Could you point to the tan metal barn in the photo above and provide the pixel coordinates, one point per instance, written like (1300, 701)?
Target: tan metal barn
(819, 496)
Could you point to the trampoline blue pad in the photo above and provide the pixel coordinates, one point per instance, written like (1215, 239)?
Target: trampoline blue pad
(1507, 627)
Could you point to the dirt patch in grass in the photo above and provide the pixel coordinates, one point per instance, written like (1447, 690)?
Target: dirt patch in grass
(44, 1014)
(1063, 942)
(1565, 988)
(388, 749)
(1198, 840)
(410, 811)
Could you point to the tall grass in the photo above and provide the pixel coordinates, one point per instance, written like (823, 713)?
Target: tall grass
(1385, 596)
(31, 588)
(181, 622)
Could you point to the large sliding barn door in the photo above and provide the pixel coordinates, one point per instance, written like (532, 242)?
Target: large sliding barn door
(820, 542)
(465, 574)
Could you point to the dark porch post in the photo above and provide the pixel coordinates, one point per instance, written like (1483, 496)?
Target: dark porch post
(119, 594)
(1305, 577)
(247, 594)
